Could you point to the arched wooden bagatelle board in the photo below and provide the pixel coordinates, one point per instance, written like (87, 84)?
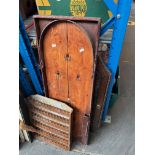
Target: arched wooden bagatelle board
(68, 63)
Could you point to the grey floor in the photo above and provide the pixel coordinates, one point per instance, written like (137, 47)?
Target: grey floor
(117, 138)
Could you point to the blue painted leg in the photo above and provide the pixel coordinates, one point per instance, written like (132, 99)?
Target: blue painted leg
(29, 48)
(27, 60)
(24, 83)
(123, 12)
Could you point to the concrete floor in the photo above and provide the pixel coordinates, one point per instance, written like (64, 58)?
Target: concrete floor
(117, 138)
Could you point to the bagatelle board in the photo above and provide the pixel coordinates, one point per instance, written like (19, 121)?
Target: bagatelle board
(67, 60)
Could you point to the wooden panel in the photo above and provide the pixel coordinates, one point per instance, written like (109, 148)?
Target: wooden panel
(90, 25)
(102, 79)
(48, 119)
(68, 55)
(80, 58)
(80, 68)
(81, 127)
(55, 48)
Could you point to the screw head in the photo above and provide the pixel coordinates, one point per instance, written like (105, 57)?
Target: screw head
(118, 16)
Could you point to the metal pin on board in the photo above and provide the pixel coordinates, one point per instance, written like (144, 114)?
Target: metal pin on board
(53, 45)
(81, 50)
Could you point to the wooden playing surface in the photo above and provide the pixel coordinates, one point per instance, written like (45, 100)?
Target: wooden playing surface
(68, 60)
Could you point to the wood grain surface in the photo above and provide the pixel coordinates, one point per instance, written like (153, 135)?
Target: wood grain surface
(69, 69)
(68, 55)
(55, 48)
(80, 69)
(101, 83)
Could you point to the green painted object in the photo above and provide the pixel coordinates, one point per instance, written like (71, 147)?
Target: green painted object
(81, 8)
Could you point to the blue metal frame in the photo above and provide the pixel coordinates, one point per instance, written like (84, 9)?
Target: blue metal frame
(29, 59)
(120, 24)
(107, 25)
(111, 5)
(28, 62)
(26, 87)
(29, 48)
